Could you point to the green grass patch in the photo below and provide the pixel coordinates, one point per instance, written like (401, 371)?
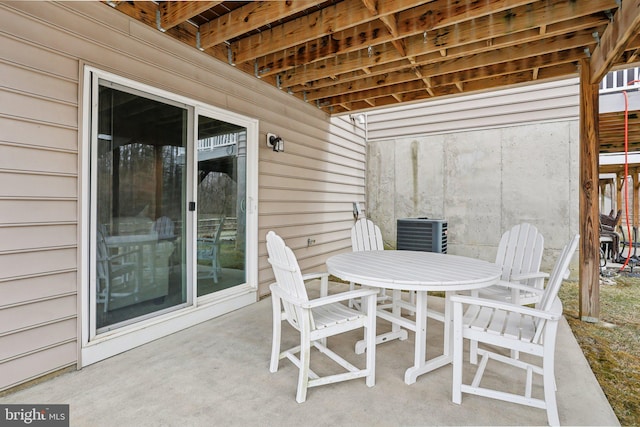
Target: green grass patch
(611, 346)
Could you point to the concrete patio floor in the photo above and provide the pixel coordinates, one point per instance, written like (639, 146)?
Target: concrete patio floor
(217, 373)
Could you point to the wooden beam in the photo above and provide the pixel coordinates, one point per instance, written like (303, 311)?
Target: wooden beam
(412, 90)
(483, 72)
(620, 184)
(246, 18)
(603, 186)
(589, 304)
(392, 27)
(328, 21)
(435, 65)
(625, 26)
(636, 199)
(414, 17)
(371, 5)
(462, 38)
(173, 13)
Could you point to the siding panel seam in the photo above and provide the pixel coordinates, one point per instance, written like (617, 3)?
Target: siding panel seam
(40, 97)
(40, 122)
(38, 249)
(38, 350)
(37, 224)
(37, 147)
(35, 300)
(42, 274)
(38, 71)
(41, 173)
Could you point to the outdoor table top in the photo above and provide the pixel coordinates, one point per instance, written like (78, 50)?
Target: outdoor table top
(413, 270)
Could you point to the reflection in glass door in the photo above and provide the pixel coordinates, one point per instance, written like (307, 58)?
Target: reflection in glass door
(139, 201)
(221, 207)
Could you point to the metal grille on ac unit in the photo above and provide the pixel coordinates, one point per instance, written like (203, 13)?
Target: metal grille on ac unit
(422, 234)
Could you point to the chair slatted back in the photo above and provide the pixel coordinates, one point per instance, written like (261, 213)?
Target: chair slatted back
(557, 275)
(555, 281)
(366, 236)
(102, 252)
(520, 251)
(288, 276)
(164, 226)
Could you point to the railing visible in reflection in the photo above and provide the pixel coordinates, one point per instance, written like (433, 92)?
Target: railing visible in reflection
(208, 227)
(619, 80)
(212, 142)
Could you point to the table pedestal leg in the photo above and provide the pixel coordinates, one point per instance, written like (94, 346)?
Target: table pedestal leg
(396, 331)
(421, 365)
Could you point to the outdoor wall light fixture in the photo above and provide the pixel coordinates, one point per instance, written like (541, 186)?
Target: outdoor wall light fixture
(360, 118)
(275, 142)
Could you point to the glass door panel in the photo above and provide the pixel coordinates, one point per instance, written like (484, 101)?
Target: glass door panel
(221, 219)
(139, 198)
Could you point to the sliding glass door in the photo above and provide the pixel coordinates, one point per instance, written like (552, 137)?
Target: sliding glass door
(169, 219)
(140, 199)
(221, 208)
(169, 197)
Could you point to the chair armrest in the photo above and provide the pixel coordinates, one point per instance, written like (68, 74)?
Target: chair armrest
(500, 305)
(343, 296)
(520, 287)
(324, 281)
(527, 276)
(120, 255)
(325, 300)
(312, 276)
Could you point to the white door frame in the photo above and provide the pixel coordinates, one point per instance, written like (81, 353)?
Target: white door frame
(94, 348)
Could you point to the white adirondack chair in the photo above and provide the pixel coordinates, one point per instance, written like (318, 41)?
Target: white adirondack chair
(208, 249)
(366, 236)
(316, 320)
(517, 328)
(116, 273)
(519, 255)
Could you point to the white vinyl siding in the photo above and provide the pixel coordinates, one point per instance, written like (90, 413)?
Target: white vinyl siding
(305, 192)
(38, 205)
(550, 101)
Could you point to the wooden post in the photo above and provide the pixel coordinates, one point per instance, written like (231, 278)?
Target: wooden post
(619, 187)
(589, 295)
(612, 191)
(636, 199)
(603, 193)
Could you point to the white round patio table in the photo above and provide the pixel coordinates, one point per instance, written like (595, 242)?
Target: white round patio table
(415, 271)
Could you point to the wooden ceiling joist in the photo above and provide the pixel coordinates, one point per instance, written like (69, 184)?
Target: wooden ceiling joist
(245, 19)
(348, 55)
(173, 13)
(624, 26)
(442, 38)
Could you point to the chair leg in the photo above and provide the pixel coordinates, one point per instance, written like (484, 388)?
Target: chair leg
(473, 352)
(106, 294)
(352, 302)
(549, 383)
(277, 327)
(214, 266)
(303, 375)
(370, 335)
(456, 394)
